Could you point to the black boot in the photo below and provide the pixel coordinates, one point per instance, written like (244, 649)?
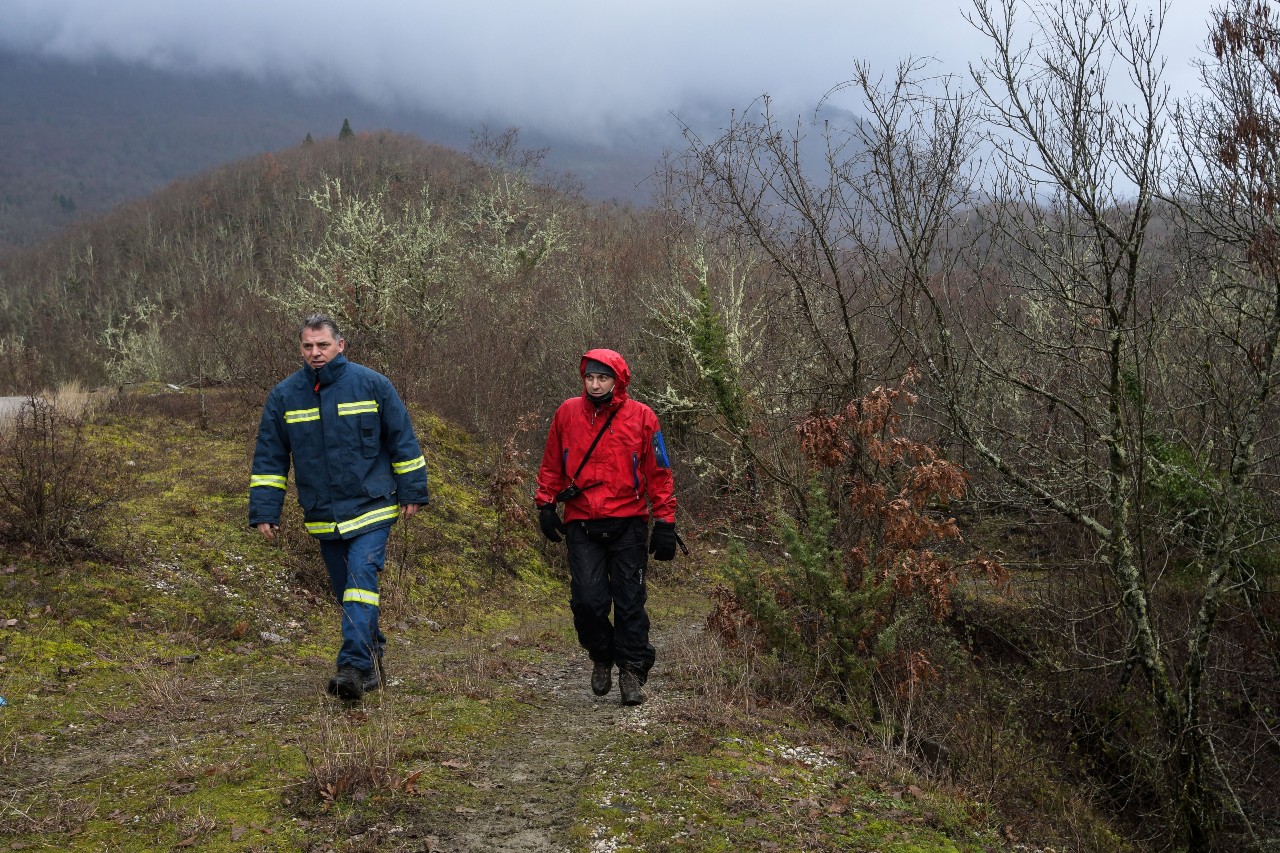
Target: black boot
(601, 678)
(629, 684)
(376, 678)
(347, 683)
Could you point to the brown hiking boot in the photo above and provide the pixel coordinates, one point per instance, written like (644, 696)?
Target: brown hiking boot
(629, 684)
(601, 678)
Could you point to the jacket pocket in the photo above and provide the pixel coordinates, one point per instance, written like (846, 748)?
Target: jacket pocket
(379, 486)
(369, 435)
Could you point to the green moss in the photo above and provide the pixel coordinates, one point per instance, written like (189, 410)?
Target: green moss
(740, 792)
(145, 709)
(225, 796)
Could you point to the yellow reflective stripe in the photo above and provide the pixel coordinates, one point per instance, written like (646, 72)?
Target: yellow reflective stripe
(411, 465)
(356, 523)
(361, 595)
(369, 518)
(299, 415)
(358, 408)
(275, 481)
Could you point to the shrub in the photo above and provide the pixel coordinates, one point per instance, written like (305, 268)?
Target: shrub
(839, 610)
(52, 490)
(508, 497)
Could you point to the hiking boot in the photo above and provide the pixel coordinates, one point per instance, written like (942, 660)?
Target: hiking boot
(629, 684)
(347, 683)
(601, 678)
(376, 678)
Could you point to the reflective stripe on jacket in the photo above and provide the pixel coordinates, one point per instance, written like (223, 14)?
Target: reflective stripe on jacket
(353, 449)
(628, 473)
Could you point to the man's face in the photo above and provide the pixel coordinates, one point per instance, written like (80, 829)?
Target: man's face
(598, 384)
(319, 347)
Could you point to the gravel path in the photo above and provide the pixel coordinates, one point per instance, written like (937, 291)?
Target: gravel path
(532, 776)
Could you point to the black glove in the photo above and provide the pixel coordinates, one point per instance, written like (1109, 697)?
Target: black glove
(549, 520)
(662, 541)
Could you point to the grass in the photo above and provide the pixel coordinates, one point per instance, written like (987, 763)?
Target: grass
(165, 691)
(733, 790)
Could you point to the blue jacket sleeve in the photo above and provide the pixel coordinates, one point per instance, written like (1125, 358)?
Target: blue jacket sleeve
(408, 464)
(269, 476)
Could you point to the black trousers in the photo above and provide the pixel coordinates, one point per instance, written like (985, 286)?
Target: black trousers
(607, 559)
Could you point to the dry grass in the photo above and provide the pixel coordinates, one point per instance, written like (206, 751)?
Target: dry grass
(352, 752)
(71, 400)
(75, 401)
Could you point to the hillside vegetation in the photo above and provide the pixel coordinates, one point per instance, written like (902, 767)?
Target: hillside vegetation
(164, 686)
(974, 429)
(87, 136)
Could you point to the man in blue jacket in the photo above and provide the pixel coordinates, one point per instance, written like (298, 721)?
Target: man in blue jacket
(358, 467)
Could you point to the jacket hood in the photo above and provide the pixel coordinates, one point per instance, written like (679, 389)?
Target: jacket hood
(616, 362)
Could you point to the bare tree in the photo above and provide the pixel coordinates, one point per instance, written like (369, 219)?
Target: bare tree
(1013, 237)
(376, 264)
(1228, 190)
(1068, 405)
(758, 179)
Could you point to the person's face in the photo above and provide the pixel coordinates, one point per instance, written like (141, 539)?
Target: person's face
(598, 384)
(319, 347)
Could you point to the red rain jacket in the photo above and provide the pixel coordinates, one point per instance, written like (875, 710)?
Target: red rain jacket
(629, 472)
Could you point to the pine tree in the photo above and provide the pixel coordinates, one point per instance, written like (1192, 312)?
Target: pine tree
(308, 140)
(346, 132)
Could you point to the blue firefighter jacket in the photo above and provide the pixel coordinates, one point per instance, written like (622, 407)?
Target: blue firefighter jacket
(355, 456)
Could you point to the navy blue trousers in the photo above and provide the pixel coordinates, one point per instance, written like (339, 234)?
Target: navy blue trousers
(353, 566)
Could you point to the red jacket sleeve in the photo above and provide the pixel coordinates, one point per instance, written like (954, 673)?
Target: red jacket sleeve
(551, 476)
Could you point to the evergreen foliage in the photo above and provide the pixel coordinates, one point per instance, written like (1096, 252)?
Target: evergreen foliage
(710, 343)
(817, 612)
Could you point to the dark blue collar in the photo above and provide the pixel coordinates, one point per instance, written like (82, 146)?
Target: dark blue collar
(329, 373)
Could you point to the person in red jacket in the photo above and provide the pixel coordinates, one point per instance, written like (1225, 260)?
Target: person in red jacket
(605, 460)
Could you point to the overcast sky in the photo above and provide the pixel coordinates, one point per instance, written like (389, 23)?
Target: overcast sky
(576, 66)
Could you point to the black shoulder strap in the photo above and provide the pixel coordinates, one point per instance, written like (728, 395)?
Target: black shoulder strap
(595, 441)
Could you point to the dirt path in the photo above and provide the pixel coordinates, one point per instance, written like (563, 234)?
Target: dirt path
(533, 775)
(9, 406)
(484, 741)
(532, 779)
(185, 733)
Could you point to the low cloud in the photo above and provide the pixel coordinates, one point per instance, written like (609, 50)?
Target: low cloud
(578, 67)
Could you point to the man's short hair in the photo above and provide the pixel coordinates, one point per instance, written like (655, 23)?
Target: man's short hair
(321, 321)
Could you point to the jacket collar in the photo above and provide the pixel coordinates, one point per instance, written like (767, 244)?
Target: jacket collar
(329, 373)
(589, 406)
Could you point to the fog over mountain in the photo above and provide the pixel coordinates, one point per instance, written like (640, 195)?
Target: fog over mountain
(571, 67)
(103, 102)
(582, 68)
(83, 137)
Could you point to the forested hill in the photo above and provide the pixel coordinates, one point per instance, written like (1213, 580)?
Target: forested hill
(463, 262)
(989, 434)
(82, 138)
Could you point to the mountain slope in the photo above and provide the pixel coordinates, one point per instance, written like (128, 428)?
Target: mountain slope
(83, 138)
(167, 692)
